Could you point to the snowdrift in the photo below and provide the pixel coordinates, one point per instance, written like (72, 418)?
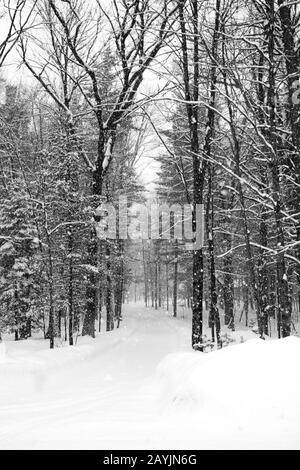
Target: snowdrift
(251, 380)
(2, 351)
(27, 357)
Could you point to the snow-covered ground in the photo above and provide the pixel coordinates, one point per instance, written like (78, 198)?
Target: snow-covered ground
(142, 387)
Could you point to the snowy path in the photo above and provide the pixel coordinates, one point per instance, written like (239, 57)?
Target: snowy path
(107, 394)
(105, 401)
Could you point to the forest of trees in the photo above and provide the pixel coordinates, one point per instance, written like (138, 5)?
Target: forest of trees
(216, 84)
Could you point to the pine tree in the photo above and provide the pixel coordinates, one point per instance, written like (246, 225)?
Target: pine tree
(18, 262)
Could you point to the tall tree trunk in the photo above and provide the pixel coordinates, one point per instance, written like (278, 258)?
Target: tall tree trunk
(175, 282)
(146, 280)
(191, 88)
(156, 274)
(292, 60)
(70, 290)
(159, 283)
(51, 328)
(167, 284)
(97, 190)
(263, 277)
(119, 282)
(284, 304)
(214, 317)
(91, 296)
(109, 312)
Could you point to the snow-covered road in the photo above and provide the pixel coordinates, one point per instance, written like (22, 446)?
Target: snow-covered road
(108, 393)
(104, 401)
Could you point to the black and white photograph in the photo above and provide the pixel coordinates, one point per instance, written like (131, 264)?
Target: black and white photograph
(149, 227)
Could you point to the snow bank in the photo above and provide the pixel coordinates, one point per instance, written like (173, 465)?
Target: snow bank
(256, 378)
(2, 351)
(27, 357)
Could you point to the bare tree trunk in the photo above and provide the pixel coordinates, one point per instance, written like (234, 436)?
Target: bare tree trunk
(214, 317)
(159, 282)
(108, 299)
(191, 95)
(263, 274)
(284, 304)
(119, 282)
(146, 283)
(167, 284)
(290, 39)
(70, 290)
(175, 282)
(228, 287)
(51, 328)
